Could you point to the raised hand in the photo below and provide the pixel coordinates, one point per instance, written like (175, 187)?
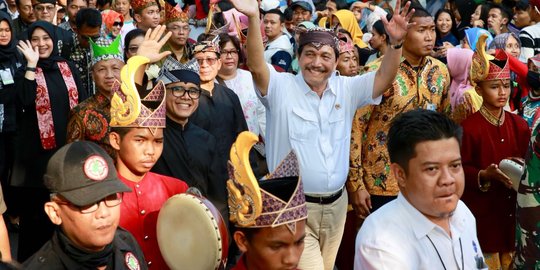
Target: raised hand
(31, 54)
(398, 26)
(250, 8)
(152, 44)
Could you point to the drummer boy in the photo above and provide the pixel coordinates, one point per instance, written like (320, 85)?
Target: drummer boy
(137, 136)
(270, 215)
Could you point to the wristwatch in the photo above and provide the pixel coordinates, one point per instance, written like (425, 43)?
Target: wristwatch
(396, 46)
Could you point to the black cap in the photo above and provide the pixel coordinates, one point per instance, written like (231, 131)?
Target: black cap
(303, 4)
(83, 173)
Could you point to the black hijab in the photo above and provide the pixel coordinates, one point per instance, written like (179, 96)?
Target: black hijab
(50, 62)
(8, 51)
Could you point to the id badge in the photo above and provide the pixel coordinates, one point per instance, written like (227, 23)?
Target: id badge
(431, 107)
(6, 76)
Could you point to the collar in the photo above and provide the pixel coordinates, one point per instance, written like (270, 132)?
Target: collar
(423, 63)
(306, 89)
(172, 124)
(422, 225)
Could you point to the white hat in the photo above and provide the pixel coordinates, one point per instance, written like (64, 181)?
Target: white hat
(267, 5)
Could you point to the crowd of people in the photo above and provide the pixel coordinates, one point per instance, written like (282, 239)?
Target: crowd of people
(327, 134)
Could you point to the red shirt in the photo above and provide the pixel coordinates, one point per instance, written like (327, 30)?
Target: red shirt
(140, 209)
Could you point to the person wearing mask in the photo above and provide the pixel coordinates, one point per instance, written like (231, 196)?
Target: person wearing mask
(48, 87)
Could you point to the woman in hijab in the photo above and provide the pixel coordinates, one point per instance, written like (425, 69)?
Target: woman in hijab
(472, 35)
(346, 20)
(464, 100)
(9, 61)
(47, 89)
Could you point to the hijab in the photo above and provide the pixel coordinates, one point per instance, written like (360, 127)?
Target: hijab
(49, 62)
(8, 51)
(472, 35)
(499, 42)
(459, 63)
(348, 22)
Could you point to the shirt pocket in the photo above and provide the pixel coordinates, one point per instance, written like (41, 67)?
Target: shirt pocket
(303, 125)
(337, 125)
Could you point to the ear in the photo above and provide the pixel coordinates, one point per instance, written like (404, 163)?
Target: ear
(53, 211)
(399, 174)
(241, 241)
(137, 17)
(219, 63)
(114, 140)
(478, 89)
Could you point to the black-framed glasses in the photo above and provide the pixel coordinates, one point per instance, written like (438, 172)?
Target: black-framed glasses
(120, 24)
(93, 38)
(110, 201)
(179, 91)
(40, 8)
(210, 61)
(229, 53)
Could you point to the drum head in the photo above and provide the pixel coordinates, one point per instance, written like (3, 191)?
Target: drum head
(188, 234)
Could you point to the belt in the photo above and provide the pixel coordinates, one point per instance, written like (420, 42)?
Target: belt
(325, 199)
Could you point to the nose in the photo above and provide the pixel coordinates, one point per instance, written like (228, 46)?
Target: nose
(290, 257)
(447, 177)
(430, 35)
(103, 210)
(150, 149)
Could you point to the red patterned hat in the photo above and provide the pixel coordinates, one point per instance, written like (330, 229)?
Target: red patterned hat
(140, 5)
(174, 14)
(278, 200)
(127, 109)
(485, 67)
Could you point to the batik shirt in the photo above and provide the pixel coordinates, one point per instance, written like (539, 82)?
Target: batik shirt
(89, 121)
(423, 87)
(530, 109)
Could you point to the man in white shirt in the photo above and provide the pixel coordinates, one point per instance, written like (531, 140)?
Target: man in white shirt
(311, 113)
(427, 226)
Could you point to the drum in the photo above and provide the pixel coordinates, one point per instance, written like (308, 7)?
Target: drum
(192, 234)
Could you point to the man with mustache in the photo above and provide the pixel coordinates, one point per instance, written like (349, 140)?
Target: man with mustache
(421, 82)
(85, 205)
(427, 226)
(137, 136)
(311, 113)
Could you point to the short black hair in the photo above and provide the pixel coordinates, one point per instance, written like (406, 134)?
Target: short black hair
(288, 13)
(249, 233)
(522, 5)
(224, 38)
(504, 11)
(129, 37)
(103, 3)
(277, 12)
(378, 26)
(88, 17)
(416, 126)
(122, 131)
(419, 11)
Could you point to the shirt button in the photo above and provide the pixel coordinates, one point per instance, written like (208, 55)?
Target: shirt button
(140, 193)
(143, 212)
(146, 237)
(41, 259)
(137, 185)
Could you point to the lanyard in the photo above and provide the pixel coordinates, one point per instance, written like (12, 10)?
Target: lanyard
(440, 258)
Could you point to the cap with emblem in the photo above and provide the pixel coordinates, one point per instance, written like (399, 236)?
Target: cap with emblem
(83, 173)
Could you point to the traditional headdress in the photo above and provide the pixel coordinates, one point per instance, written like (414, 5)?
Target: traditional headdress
(173, 71)
(109, 51)
(277, 201)
(127, 109)
(140, 5)
(345, 44)
(485, 67)
(174, 14)
(207, 46)
(319, 37)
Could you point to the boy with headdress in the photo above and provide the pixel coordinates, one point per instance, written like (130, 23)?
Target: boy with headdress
(146, 13)
(271, 215)
(89, 121)
(490, 135)
(137, 136)
(189, 152)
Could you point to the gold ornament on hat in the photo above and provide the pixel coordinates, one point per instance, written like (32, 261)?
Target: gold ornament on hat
(245, 201)
(125, 112)
(480, 62)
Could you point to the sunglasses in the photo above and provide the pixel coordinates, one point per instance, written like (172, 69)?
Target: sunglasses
(93, 38)
(120, 24)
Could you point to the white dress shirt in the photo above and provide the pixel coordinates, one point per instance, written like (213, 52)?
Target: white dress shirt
(318, 129)
(397, 236)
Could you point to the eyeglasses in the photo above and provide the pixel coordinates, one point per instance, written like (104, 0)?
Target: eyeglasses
(179, 91)
(110, 201)
(93, 38)
(120, 24)
(210, 61)
(48, 8)
(177, 29)
(229, 53)
(133, 49)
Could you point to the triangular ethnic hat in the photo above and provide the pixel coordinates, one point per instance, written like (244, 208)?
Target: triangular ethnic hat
(127, 109)
(173, 71)
(174, 14)
(485, 67)
(208, 46)
(278, 200)
(111, 51)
